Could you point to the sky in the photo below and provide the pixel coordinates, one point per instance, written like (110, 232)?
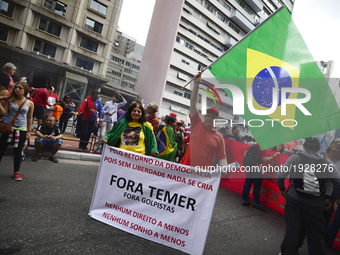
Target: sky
(135, 19)
(317, 20)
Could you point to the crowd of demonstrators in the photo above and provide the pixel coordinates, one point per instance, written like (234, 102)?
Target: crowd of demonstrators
(48, 138)
(133, 133)
(17, 103)
(305, 203)
(110, 116)
(68, 107)
(91, 108)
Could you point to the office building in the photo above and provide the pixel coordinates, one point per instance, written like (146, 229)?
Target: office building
(66, 43)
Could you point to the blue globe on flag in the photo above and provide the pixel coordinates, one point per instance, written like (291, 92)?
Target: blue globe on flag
(267, 79)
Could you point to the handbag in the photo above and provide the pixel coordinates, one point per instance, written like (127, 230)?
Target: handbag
(7, 128)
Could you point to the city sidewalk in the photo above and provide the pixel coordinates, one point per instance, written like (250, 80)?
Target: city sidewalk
(69, 150)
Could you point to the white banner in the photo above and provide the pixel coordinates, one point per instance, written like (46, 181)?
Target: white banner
(161, 201)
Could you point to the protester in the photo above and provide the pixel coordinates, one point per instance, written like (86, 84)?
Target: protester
(120, 112)
(91, 109)
(30, 93)
(4, 82)
(49, 138)
(122, 116)
(151, 110)
(40, 97)
(110, 116)
(52, 101)
(166, 140)
(135, 120)
(305, 204)
(205, 141)
(333, 154)
(58, 110)
(180, 141)
(235, 131)
(22, 125)
(67, 112)
(10, 69)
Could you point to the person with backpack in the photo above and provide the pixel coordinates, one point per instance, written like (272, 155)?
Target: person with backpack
(254, 175)
(305, 197)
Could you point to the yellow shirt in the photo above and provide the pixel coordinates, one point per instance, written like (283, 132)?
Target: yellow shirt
(133, 138)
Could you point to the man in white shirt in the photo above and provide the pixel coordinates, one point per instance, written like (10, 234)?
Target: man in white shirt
(110, 116)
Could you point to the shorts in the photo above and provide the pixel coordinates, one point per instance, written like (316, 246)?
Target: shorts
(38, 112)
(47, 143)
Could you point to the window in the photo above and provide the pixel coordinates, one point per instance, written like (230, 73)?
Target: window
(119, 60)
(6, 8)
(98, 7)
(225, 5)
(187, 95)
(50, 27)
(56, 6)
(178, 93)
(93, 25)
(3, 33)
(84, 63)
(89, 44)
(45, 48)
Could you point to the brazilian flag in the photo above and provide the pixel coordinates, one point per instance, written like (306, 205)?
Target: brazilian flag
(274, 69)
(166, 143)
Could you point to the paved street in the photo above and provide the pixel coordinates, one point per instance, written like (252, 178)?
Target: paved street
(47, 213)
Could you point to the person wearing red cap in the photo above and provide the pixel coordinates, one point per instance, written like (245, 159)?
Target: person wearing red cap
(205, 141)
(173, 114)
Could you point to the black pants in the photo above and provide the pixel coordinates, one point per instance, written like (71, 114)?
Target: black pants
(87, 129)
(16, 150)
(63, 121)
(296, 215)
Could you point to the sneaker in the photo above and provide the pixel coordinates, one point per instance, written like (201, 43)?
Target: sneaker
(260, 207)
(98, 150)
(80, 149)
(245, 203)
(36, 157)
(53, 159)
(86, 149)
(17, 176)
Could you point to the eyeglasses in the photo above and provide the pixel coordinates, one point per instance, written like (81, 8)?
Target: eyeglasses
(336, 142)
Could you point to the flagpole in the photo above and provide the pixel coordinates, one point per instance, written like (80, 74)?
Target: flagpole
(282, 7)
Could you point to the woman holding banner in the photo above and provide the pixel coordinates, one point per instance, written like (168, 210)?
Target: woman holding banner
(133, 133)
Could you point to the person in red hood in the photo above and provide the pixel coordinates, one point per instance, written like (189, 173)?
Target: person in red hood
(91, 109)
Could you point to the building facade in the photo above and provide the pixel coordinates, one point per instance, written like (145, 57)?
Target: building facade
(66, 43)
(123, 68)
(207, 28)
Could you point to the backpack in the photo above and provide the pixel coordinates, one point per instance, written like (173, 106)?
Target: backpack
(307, 180)
(252, 157)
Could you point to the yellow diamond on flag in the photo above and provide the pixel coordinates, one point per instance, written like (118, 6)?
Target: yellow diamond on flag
(265, 72)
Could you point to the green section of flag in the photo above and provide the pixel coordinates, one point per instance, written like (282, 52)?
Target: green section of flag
(279, 41)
